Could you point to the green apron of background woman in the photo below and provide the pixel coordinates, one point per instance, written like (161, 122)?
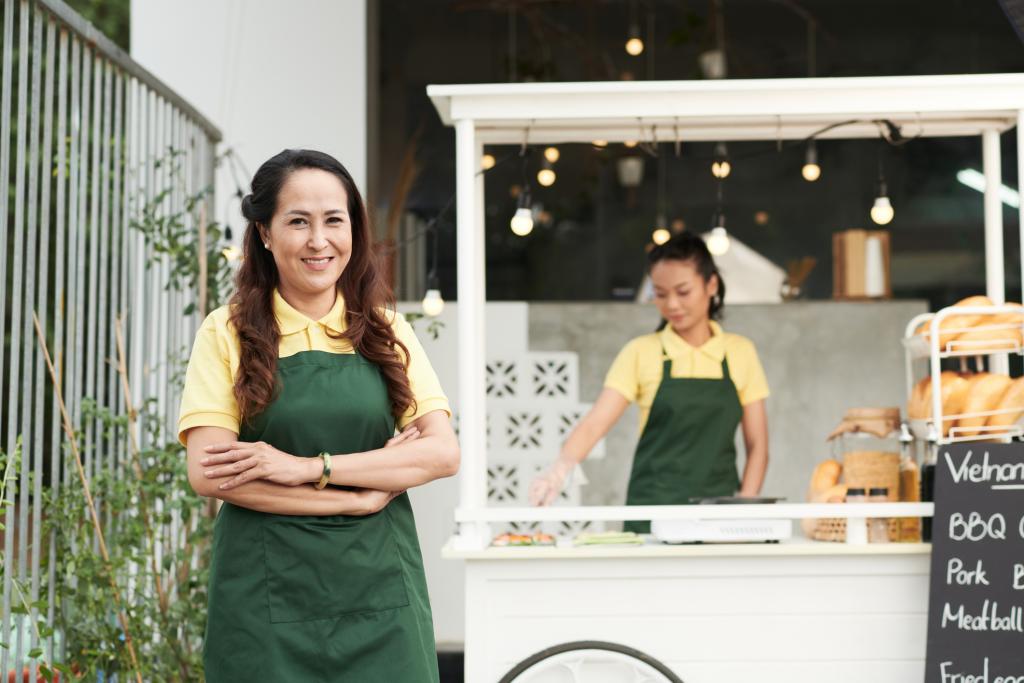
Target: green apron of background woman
(339, 599)
(687, 448)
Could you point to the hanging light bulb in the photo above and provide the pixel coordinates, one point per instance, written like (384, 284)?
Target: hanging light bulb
(717, 241)
(546, 175)
(522, 222)
(600, 144)
(634, 46)
(630, 143)
(661, 233)
(552, 154)
(487, 162)
(720, 167)
(882, 211)
(811, 170)
(433, 304)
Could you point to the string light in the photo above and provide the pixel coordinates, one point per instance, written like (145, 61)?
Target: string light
(600, 144)
(433, 304)
(717, 241)
(552, 154)
(546, 175)
(811, 170)
(487, 162)
(522, 222)
(882, 212)
(720, 167)
(660, 236)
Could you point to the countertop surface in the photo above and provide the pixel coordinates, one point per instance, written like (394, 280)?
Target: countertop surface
(796, 546)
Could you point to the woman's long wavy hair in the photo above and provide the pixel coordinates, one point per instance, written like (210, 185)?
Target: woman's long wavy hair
(367, 296)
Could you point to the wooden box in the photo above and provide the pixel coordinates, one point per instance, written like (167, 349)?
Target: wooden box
(854, 276)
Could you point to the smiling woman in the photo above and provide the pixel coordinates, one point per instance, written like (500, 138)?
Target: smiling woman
(316, 571)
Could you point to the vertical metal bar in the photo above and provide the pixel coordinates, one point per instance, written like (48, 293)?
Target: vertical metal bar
(116, 264)
(31, 443)
(127, 180)
(5, 169)
(14, 404)
(101, 301)
(137, 272)
(81, 260)
(56, 453)
(70, 313)
(93, 231)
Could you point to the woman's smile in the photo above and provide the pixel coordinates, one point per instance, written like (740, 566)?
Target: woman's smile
(318, 263)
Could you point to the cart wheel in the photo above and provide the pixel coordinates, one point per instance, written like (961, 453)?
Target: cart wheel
(590, 661)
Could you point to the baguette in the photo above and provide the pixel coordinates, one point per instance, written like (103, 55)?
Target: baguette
(954, 395)
(1013, 398)
(993, 332)
(953, 326)
(985, 393)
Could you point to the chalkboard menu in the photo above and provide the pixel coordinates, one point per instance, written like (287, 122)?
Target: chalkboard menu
(976, 598)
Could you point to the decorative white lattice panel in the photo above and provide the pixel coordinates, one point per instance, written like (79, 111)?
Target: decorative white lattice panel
(553, 376)
(504, 378)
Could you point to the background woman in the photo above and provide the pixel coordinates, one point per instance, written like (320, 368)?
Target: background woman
(316, 572)
(693, 382)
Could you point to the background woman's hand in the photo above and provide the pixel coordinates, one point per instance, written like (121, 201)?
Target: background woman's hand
(259, 460)
(544, 489)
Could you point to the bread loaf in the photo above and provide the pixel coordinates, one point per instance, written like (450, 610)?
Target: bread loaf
(985, 392)
(1013, 398)
(994, 332)
(826, 475)
(953, 326)
(954, 395)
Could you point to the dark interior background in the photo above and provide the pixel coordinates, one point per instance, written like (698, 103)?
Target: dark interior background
(593, 247)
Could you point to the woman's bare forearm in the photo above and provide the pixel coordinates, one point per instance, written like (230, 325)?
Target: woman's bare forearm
(754, 470)
(397, 468)
(264, 496)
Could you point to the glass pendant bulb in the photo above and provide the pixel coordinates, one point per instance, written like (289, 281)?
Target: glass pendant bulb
(433, 304)
(811, 170)
(882, 212)
(522, 221)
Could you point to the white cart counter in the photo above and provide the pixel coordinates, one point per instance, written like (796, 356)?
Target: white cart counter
(797, 611)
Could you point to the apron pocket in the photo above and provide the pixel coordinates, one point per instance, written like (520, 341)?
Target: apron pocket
(317, 569)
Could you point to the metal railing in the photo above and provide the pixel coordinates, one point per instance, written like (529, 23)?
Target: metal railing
(84, 137)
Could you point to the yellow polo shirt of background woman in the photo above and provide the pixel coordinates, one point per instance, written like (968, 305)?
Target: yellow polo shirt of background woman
(208, 399)
(636, 371)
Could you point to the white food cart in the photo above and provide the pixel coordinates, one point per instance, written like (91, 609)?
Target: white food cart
(792, 611)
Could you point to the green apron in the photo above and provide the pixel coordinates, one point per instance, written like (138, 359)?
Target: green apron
(687, 448)
(340, 599)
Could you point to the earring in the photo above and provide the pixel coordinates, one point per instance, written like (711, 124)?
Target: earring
(266, 245)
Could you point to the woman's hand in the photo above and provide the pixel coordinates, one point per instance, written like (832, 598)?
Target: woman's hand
(544, 489)
(259, 460)
(373, 501)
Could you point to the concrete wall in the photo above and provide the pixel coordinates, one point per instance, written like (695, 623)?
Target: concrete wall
(820, 359)
(271, 75)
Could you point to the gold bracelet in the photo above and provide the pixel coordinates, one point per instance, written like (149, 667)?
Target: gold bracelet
(326, 476)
